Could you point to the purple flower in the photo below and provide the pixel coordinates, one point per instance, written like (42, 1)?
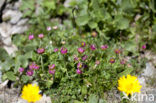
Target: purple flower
(80, 50)
(123, 61)
(52, 66)
(48, 28)
(41, 35)
(84, 57)
(56, 49)
(36, 67)
(104, 47)
(40, 50)
(31, 37)
(112, 60)
(117, 51)
(63, 50)
(144, 46)
(92, 47)
(30, 72)
(33, 66)
(83, 44)
(51, 71)
(97, 62)
(21, 69)
(79, 65)
(76, 58)
(78, 71)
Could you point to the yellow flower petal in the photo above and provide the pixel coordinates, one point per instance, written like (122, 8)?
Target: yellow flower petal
(31, 93)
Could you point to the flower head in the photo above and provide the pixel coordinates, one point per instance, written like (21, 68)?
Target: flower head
(84, 57)
(51, 71)
(33, 66)
(83, 44)
(123, 61)
(30, 72)
(80, 50)
(56, 49)
(40, 50)
(94, 34)
(104, 47)
(52, 66)
(92, 47)
(97, 62)
(55, 27)
(75, 58)
(64, 50)
(48, 28)
(79, 65)
(31, 37)
(31, 93)
(129, 84)
(144, 46)
(41, 35)
(78, 71)
(112, 60)
(21, 69)
(117, 51)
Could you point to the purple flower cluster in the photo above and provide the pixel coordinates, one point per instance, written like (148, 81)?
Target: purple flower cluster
(21, 69)
(104, 47)
(112, 60)
(83, 44)
(144, 46)
(52, 69)
(64, 50)
(33, 66)
(31, 69)
(31, 36)
(41, 36)
(40, 50)
(84, 57)
(56, 49)
(80, 50)
(117, 51)
(92, 47)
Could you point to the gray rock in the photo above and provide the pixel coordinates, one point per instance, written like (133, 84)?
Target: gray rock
(149, 71)
(14, 16)
(18, 29)
(7, 41)
(10, 49)
(22, 22)
(5, 30)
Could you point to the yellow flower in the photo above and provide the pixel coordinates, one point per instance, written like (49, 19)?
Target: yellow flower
(129, 84)
(31, 93)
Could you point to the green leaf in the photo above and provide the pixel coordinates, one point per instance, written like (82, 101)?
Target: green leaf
(25, 78)
(7, 64)
(122, 23)
(84, 90)
(11, 76)
(125, 72)
(102, 101)
(4, 55)
(82, 20)
(92, 24)
(76, 101)
(49, 83)
(49, 4)
(93, 98)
